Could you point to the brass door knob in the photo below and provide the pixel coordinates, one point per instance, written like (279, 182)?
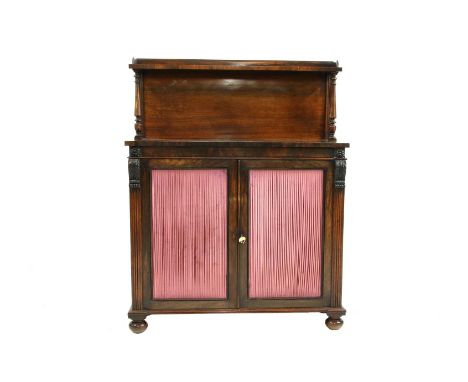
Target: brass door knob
(242, 239)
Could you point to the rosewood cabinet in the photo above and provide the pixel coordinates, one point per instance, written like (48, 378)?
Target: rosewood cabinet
(236, 189)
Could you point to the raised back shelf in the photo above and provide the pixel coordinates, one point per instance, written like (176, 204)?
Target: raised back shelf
(235, 100)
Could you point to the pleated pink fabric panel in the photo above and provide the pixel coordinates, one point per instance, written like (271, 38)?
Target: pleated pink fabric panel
(189, 234)
(285, 239)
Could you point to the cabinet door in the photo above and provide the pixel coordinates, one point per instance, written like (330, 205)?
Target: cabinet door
(190, 256)
(284, 212)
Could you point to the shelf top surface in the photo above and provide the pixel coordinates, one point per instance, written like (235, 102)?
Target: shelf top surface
(233, 143)
(299, 66)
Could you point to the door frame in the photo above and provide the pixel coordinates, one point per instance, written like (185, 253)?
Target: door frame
(243, 250)
(231, 272)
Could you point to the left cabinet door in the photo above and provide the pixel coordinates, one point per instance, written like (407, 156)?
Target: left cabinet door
(189, 225)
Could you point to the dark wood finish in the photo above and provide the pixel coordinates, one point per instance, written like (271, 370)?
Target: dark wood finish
(138, 327)
(235, 100)
(141, 314)
(236, 115)
(249, 65)
(235, 105)
(236, 150)
(135, 228)
(223, 143)
(337, 226)
(331, 106)
(138, 105)
(334, 323)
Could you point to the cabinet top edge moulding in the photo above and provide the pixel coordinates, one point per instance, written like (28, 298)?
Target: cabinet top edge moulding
(184, 64)
(235, 101)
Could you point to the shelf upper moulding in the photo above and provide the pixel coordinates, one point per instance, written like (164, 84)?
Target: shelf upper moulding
(294, 66)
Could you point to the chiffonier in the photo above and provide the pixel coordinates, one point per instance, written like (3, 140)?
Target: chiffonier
(236, 189)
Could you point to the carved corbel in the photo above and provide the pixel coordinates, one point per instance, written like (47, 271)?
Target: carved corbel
(340, 168)
(134, 167)
(135, 151)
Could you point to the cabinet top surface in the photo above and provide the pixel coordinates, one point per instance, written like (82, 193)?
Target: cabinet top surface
(300, 66)
(231, 143)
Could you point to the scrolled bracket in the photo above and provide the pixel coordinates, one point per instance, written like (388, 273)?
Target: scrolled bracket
(340, 169)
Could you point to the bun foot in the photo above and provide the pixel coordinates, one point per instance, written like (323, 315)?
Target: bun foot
(138, 327)
(334, 323)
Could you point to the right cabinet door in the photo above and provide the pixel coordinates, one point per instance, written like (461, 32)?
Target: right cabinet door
(284, 233)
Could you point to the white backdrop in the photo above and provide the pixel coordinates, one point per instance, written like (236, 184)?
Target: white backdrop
(66, 108)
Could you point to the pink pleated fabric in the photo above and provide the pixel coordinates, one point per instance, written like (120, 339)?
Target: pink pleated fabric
(285, 239)
(189, 234)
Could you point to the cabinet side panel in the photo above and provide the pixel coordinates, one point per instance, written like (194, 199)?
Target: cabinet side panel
(285, 224)
(189, 234)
